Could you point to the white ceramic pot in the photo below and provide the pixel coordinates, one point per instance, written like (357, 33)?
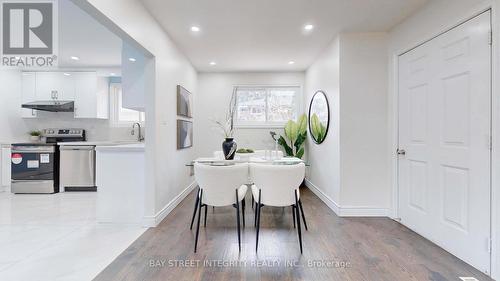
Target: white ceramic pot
(35, 138)
(244, 156)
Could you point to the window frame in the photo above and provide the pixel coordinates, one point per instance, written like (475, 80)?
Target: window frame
(267, 124)
(114, 110)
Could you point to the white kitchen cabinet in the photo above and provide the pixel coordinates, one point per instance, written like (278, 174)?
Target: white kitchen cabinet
(136, 77)
(55, 86)
(91, 96)
(89, 92)
(28, 93)
(5, 168)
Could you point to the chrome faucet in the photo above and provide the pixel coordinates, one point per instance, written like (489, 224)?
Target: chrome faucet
(139, 135)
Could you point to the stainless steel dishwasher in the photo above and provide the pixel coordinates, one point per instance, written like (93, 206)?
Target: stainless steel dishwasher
(77, 168)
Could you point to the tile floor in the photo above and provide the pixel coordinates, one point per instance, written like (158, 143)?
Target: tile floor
(56, 237)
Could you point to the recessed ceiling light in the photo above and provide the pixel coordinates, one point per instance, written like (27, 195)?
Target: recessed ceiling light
(75, 58)
(132, 59)
(308, 27)
(213, 63)
(66, 74)
(291, 62)
(195, 28)
(112, 74)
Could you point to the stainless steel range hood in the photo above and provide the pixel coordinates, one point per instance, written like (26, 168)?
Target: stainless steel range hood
(51, 106)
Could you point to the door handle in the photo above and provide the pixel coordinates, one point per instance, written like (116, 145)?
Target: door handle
(401, 152)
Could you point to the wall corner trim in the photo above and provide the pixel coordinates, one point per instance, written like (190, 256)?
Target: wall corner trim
(153, 221)
(347, 211)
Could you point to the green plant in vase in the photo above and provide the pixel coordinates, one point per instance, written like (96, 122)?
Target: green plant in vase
(295, 137)
(318, 129)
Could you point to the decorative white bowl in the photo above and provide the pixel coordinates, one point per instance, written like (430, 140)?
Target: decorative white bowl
(244, 156)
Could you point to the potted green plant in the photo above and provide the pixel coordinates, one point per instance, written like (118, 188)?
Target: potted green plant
(35, 135)
(295, 137)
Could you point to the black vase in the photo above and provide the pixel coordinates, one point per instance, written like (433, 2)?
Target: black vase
(229, 148)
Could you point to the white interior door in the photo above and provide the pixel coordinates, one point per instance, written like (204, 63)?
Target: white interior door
(444, 128)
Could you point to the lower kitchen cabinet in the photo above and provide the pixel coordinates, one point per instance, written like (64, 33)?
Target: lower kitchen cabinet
(5, 168)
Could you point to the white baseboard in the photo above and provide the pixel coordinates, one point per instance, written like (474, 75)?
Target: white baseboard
(153, 221)
(347, 211)
(325, 198)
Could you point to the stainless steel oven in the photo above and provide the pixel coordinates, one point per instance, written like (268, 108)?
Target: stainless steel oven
(34, 168)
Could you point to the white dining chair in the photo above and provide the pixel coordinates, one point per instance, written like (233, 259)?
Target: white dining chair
(221, 186)
(278, 186)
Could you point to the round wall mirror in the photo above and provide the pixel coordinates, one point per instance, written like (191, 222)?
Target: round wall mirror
(319, 117)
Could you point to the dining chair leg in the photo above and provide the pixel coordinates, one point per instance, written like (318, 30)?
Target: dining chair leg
(243, 205)
(303, 216)
(298, 220)
(259, 206)
(198, 225)
(195, 207)
(238, 220)
(205, 223)
(293, 215)
(255, 214)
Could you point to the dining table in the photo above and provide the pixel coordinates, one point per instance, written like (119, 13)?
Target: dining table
(287, 160)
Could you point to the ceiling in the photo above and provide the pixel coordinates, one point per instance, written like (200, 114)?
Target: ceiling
(264, 35)
(82, 36)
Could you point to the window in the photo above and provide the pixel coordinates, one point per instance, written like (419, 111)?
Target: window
(121, 116)
(266, 106)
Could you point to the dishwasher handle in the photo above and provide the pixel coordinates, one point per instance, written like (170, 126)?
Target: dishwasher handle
(76, 147)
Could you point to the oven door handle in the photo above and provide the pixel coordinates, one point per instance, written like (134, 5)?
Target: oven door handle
(32, 181)
(33, 150)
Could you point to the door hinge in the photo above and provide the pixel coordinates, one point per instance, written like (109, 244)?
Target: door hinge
(489, 244)
(490, 38)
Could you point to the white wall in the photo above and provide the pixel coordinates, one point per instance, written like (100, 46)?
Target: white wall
(363, 122)
(324, 159)
(13, 127)
(166, 174)
(212, 102)
(350, 169)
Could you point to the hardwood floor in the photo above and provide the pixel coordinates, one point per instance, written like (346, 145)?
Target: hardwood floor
(355, 248)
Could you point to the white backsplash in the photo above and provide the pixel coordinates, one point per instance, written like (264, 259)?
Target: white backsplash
(96, 129)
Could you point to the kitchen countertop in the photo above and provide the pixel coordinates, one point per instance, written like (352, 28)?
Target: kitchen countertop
(8, 143)
(134, 147)
(98, 143)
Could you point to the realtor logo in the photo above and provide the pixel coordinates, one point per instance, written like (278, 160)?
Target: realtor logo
(28, 34)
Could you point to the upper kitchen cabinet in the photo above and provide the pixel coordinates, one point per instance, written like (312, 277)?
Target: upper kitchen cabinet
(88, 92)
(136, 69)
(91, 99)
(55, 86)
(28, 93)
